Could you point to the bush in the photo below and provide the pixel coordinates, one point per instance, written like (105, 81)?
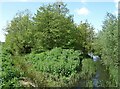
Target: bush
(10, 74)
(60, 63)
(88, 68)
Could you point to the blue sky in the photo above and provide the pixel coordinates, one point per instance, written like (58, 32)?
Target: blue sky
(94, 12)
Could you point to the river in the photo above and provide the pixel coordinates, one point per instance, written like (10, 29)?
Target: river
(101, 73)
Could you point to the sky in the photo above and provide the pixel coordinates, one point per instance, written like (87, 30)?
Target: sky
(92, 11)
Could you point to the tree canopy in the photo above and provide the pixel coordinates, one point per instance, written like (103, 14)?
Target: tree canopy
(52, 26)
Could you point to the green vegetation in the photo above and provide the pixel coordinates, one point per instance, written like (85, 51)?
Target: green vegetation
(59, 65)
(49, 50)
(107, 47)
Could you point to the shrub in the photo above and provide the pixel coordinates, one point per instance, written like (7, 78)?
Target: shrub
(60, 63)
(10, 74)
(88, 68)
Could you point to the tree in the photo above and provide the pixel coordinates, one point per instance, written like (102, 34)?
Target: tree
(86, 36)
(19, 34)
(54, 28)
(51, 27)
(108, 48)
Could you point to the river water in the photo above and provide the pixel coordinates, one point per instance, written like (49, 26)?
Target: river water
(101, 73)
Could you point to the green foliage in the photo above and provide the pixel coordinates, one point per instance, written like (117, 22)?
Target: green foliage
(86, 36)
(57, 67)
(10, 74)
(88, 68)
(29, 72)
(19, 37)
(62, 63)
(55, 29)
(56, 61)
(54, 48)
(52, 26)
(107, 47)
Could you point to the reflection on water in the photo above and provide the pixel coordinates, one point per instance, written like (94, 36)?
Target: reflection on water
(95, 79)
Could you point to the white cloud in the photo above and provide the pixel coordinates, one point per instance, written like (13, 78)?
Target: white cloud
(116, 1)
(82, 11)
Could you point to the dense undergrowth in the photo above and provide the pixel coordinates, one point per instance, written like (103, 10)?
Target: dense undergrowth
(55, 68)
(59, 65)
